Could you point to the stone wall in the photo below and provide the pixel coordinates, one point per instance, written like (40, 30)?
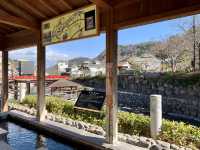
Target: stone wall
(133, 95)
(177, 98)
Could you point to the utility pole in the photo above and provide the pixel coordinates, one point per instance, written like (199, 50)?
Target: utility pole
(194, 43)
(199, 56)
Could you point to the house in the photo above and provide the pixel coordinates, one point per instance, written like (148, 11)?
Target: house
(146, 62)
(124, 65)
(21, 67)
(60, 68)
(80, 71)
(97, 69)
(90, 69)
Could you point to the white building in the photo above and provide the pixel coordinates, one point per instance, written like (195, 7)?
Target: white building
(88, 69)
(148, 62)
(97, 69)
(58, 69)
(124, 65)
(62, 66)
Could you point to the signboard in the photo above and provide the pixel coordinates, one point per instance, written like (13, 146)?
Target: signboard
(74, 25)
(90, 100)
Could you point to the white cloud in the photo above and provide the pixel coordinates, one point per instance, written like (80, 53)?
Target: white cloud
(27, 54)
(55, 56)
(52, 56)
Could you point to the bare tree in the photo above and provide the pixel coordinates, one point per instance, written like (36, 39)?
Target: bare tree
(176, 50)
(159, 50)
(191, 30)
(171, 51)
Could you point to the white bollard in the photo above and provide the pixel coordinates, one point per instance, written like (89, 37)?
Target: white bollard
(156, 115)
(22, 91)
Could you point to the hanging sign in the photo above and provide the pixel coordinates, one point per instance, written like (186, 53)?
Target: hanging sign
(74, 25)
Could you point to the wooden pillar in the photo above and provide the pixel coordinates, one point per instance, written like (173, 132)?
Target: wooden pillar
(28, 88)
(16, 90)
(4, 101)
(41, 108)
(111, 80)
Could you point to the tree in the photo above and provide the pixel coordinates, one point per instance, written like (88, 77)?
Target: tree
(159, 50)
(191, 31)
(171, 51)
(176, 50)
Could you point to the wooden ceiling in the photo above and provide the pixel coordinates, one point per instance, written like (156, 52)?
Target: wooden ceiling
(19, 19)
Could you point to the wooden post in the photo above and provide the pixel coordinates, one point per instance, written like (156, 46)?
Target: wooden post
(111, 80)
(4, 101)
(28, 88)
(16, 90)
(41, 108)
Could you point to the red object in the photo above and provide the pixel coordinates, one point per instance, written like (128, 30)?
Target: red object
(49, 77)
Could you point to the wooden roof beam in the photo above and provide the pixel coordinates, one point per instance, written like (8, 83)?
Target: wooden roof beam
(66, 4)
(161, 16)
(31, 8)
(125, 3)
(13, 9)
(101, 3)
(19, 22)
(50, 8)
(20, 39)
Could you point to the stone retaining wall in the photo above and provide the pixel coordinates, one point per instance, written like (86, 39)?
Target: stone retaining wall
(134, 93)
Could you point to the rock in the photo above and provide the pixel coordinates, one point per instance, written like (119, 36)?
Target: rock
(181, 148)
(100, 131)
(96, 130)
(32, 111)
(152, 141)
(80, 125)
(163, 144)
(63, 120)
(133, 140)
(26, 110)
(143, 142)
(91, 129)
(155, 147)
(53, 118)
(122, 137)
(86, 126)
(58, 119)
(68, 122)
(188, 149)
(73, 124)
(174, 147)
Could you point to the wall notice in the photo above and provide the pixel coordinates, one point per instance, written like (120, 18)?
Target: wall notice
(74, 25)
(90, 100)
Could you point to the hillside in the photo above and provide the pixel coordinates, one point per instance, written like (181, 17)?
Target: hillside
(124, 52)
(78, 60)
(127, 51)
(175, 53)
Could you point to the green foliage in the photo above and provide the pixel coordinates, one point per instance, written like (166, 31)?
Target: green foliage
(180, 133)
(30, 100)
(130, 123)
(66, 108)
(178, 79)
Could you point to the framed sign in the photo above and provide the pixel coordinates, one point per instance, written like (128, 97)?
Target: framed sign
(90, 100)
(77, 24)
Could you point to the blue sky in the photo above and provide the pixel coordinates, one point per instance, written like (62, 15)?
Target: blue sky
(91, 47)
